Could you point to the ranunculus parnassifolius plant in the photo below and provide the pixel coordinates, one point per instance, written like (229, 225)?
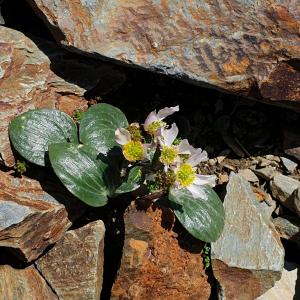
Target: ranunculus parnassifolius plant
(107, 157)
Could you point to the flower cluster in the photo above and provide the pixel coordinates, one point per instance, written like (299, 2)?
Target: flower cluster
(176, 159)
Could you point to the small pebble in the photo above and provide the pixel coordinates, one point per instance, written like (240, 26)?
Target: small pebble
(289, 164)
(273, 157)
(223, 178)
(266, 173)
(248, 175)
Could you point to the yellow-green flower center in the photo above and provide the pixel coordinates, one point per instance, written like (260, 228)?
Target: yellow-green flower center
(186, 175)
(135, 132)
(133, 151)
(154, 126)
(168, 155)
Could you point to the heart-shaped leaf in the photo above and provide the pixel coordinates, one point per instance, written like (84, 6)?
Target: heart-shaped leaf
(132, 181)
(203, 217)
(32, 132)
(80, 171)
(98, 126)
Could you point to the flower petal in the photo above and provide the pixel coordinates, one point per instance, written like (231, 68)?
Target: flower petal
(184, 147)
(197, 191)
(152, 117)
(122, 136)
(197, 156)
(167, 111)
(205, 179)
(169, 135)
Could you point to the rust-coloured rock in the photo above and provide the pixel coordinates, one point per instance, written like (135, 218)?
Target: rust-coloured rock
(34, 78)
(30, 218)
(74, 266)
(157, 262)
(23, 284)
(251, 47)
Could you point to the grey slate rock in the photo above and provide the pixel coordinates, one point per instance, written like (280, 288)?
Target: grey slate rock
(289, 164)
(287, 191)
(249, 251)
(288, 227)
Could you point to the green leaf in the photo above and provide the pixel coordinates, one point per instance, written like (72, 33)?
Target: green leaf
(80, 171)
(202, 217)
(32, 132)
(132, 181)
(98, 126)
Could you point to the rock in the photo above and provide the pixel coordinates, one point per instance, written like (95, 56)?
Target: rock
(34, 78)
(289, 164)
(30, 218)
(266, 173)
(264, 162)
(248, 175)
(285, 288)
(282, 188)
(288, 227)
(291, 143)
(268, 206)
(223, 178)
(247, 47)
(23, 284)
(273, 157)
(74, 266)
(157, 262)
(248, 257)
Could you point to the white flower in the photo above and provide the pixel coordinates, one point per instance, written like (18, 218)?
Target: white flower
(122, 136)
(170, 153)
(186, 176)
(154, 120)
(132, 150)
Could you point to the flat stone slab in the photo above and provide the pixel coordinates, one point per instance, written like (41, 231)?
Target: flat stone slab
(238, 46)
(248, 257)
(74, 266)
(30, 218)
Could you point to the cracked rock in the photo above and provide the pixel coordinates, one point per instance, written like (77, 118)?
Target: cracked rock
(74, 266)
(287, 191)
(157, 262)
(31, 78)
(23, 284)
(30, 218)
(242, 47)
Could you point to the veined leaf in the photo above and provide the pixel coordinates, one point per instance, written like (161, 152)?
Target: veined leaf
(132, 181)
(202, 217)
(98, 126)
(80, 171)
(32, 132)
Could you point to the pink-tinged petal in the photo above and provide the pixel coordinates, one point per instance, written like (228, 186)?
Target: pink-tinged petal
(152, 117)
(205, 179)
(167, 111)
(184, 147)
(197, 157)
(122, 136)
(197, 191)
(169, 135)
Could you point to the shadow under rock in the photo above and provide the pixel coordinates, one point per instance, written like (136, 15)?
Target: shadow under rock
(52, 185)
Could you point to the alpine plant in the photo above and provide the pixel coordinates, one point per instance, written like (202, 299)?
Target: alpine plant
(107, 157)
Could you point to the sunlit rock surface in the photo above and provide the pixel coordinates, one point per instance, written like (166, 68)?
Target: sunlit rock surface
(251, 47)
